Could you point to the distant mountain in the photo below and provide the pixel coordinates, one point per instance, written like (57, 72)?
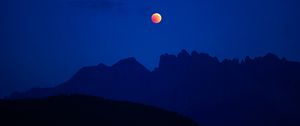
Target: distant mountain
(80, 110)
(253, 91)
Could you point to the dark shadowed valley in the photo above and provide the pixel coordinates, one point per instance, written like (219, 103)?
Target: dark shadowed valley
(81, 110)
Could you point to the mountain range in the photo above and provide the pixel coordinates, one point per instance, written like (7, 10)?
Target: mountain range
(253, 91)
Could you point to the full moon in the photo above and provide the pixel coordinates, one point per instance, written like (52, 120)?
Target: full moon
(156, 18)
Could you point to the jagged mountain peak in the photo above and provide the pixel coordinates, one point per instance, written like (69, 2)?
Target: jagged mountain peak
(271, 56)
(102, 65)
(129, 64)
(126, 61)
(183, 54)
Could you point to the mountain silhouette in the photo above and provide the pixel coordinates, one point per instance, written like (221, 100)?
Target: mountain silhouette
(253, 91)
(81, 110)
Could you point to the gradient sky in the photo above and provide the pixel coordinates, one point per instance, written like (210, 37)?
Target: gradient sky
(44, 42)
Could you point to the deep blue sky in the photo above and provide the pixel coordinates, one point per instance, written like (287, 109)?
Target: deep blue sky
(45, 42)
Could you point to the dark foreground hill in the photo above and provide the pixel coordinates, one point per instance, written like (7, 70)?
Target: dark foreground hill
(80, 110)
(253, 91)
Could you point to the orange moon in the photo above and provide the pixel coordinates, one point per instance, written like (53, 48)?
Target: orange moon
(156, 18)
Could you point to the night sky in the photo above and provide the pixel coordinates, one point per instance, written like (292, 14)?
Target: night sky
(44, 42)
